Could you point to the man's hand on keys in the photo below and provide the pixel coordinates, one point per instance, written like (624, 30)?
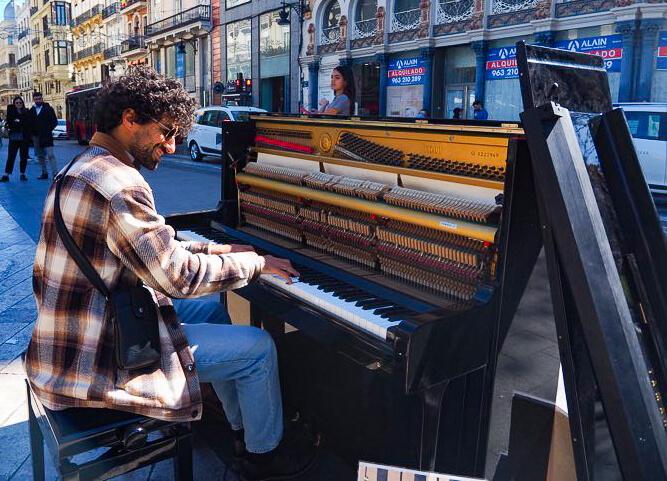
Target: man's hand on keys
(230, 248)
(279, 267)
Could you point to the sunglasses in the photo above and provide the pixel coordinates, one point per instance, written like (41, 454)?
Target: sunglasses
(168, 132)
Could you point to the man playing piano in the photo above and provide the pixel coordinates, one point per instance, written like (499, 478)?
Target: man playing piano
(108, 208)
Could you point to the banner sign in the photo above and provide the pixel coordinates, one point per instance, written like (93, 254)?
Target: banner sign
(501, 63)
(406, 71)
(609, 47)
(180, 65)
(661, 63)
(379, 472)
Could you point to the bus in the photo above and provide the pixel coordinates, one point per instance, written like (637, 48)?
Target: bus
(80, 106)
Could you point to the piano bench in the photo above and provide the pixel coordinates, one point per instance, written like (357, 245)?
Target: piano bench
(134, 441)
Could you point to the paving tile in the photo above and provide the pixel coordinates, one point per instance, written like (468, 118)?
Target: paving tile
(15, 277)
(24, 311)
(15, 442)
(8, 330)
(15, 294)
(13, 396)
(15, 257)
(523, 343)
(13, 348)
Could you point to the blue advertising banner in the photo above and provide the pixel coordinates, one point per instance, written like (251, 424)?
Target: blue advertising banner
(406, 71)
(609, 47)
(180, 65)
(661, 63)
(501, 63)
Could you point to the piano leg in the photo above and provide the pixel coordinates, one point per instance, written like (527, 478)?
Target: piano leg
(431, 410)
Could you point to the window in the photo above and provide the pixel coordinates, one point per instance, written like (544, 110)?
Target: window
(235, 3)
(366, 10)
(330, 20)
(10, 40)
(60, 13)
(647, 125)
(47, 58)
(209, 118)
(12, 59)
(60, 53)
(273, 46)
(238, 49)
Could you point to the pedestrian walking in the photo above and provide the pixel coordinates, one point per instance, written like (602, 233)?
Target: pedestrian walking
(479, 112)
(456, 113)
(18, 124)
(43, 120)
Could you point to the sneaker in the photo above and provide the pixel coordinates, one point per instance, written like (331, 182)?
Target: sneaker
(295, 456)
(4, 178)
(44, 176)
(23, 177)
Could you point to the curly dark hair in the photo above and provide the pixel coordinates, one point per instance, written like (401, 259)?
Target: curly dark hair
(149, 94)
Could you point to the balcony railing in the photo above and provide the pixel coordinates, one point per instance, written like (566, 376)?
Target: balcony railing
(128, 3)
(11, 86)
(89, 51)
(364, 28)
(132, 43)
(7, 65)
(112, 52)
(110, 10)
(23, 34)
(452, 11)
(24, 59)
(405, 20)
(87, 15)
(200, 13)
(33, 10)
(34, 41)
(510, 6)
(330, 35)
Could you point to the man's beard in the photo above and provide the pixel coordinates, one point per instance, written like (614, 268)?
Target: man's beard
(143, 154)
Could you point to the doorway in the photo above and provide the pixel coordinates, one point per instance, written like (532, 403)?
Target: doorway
(461, 96)
(272, 94)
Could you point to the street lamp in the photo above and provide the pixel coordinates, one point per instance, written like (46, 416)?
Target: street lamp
(301, 8)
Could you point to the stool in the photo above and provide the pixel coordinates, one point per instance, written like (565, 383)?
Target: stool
(78, 430)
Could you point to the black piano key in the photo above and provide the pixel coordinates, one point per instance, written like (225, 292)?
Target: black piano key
(385, 310)
(373, 303)
(359, 297)
(397, 313)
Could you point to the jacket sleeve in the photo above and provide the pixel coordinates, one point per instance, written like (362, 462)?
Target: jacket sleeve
(53, 120)
(139, 237)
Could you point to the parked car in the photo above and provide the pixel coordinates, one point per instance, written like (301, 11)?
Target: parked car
(60, 132)
(648, 125)
(205, 137)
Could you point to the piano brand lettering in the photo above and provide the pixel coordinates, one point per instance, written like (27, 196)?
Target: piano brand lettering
(373, 472)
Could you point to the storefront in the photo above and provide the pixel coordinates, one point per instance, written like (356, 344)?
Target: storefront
(459, 81)
(659, 83)
(406, 79)
(274, 63)
(367, 83)
(501, 76)
(239, 52)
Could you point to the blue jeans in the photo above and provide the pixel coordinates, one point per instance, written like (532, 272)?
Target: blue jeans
(242, 365)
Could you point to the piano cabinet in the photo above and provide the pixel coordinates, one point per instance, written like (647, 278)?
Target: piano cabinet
(392, 357)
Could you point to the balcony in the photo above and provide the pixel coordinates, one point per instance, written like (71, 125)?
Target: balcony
(126, 5)
(511, 12)
(11, 86)
(364, 28)
(23, 34)
(33, 10)
(87, 15)
(110, 10)
(200, 13)
(405, 20)
(7, 65)
(88, 52)
(569, 8)
(24, 59)
(111, 52)
(132, 43)
(34, 41)
(454, 11)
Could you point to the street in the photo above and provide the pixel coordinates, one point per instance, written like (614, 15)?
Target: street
(179, 185)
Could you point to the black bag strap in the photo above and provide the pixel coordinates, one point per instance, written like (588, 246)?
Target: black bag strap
(74, 250)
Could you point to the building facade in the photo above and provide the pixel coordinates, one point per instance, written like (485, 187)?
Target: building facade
(254, 42)
(88, 43)
(24, 52)
(113, 32)
(52, 50)
(8, 50)
(178, 41)
(441, 54)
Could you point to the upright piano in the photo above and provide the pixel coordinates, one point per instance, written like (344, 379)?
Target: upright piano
(414, 242)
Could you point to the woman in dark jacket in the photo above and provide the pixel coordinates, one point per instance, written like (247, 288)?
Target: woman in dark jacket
(19, 132)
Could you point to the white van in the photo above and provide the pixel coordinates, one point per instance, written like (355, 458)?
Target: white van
(648, 125)
(205, 137)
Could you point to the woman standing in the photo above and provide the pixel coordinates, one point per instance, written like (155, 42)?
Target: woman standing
(19, 132)
(342, 83)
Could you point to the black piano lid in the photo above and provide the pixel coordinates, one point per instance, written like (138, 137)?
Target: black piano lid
(606, 252)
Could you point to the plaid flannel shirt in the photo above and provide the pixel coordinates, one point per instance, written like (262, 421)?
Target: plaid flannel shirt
(109, 209)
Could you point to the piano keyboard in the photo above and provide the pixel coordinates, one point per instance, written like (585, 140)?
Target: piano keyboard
(364, 308)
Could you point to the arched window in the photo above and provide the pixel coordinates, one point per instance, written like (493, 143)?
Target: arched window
(451, 11)
(365, 23)
(330, 20)
(406, 15)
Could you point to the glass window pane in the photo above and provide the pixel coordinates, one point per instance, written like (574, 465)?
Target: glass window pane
(273, 46)
(238, 49)
(331, 15)
(366, 10)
